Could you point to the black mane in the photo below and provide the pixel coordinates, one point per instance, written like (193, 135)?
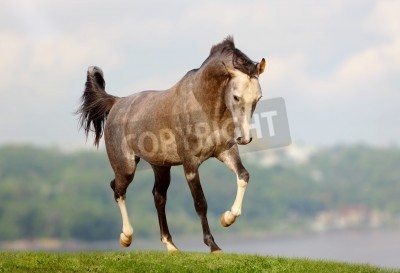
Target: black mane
(239, 60)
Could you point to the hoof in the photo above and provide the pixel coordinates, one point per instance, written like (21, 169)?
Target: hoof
(227, 219)
(218, 251)
(174, 250)
(124, 240)
(170, 245)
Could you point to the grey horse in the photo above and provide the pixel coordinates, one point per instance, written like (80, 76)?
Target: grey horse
(206, 114)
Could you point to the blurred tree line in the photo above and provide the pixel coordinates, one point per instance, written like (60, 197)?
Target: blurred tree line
(45, 192)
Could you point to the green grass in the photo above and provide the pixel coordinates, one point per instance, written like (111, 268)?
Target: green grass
(156, 261)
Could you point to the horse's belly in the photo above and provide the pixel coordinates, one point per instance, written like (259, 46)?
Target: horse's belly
(156, 149)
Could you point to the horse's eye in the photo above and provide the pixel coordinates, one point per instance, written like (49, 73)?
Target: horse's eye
(236, 98)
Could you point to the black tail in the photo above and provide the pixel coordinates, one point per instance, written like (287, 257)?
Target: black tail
(96, 104)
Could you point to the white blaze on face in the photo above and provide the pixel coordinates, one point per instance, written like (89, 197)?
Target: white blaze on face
(241, 97)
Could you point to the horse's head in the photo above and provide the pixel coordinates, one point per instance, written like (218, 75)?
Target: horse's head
(241, 96)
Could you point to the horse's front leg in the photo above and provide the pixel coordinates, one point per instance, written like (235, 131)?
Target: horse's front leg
(231, 159)
(200, 204)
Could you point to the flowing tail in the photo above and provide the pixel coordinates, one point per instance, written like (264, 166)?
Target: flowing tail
(96, 104)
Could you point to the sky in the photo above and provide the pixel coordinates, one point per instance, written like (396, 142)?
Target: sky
(335, 63)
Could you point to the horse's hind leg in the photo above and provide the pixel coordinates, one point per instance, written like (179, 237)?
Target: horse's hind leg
(162, 180)
(119, 185)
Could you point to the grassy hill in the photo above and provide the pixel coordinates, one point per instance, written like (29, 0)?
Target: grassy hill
(152, 261)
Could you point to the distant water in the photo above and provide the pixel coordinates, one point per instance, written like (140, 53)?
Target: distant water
(381, 248)
(375, 247)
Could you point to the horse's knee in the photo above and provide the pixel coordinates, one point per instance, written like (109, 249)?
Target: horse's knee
(116, 194)
(119, 189)
(244, 175)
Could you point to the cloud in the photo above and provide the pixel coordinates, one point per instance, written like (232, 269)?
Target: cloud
(364, 70)
(41, 63)
(357, 97)
(374, 65)
(384, 18)
(42, 79)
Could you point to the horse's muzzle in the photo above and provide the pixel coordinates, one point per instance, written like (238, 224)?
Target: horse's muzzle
(243, 141)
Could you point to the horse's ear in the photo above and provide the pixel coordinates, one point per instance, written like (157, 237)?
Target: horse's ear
(261, 66)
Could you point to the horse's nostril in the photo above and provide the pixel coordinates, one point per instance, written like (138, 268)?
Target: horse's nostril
(250, 139)
(239, 139)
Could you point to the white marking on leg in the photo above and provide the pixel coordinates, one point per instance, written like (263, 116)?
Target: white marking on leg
(190, 176)
(237, 205)
(170, 247)
(229, 217)
(126, 225)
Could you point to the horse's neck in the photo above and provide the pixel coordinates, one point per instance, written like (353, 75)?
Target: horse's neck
(209, 91)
